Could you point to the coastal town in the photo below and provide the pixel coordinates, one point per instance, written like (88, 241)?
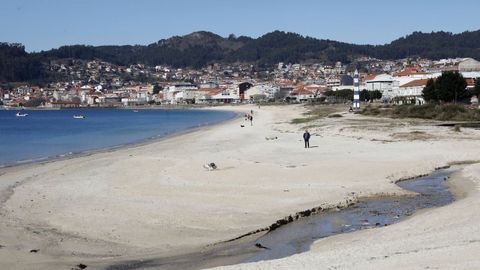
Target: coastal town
(84, 84)
(239, 135)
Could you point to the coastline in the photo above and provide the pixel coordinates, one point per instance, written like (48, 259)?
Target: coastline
(135, 143)
(145, 107)
(143, 200)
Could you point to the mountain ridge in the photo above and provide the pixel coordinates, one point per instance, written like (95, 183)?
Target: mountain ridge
(295, 47)
(201, 48)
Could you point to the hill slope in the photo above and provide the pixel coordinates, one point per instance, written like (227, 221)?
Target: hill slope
(201, 48)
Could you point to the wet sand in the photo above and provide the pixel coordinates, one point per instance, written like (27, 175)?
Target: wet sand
(158, 199)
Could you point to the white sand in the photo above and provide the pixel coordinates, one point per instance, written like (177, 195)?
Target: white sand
(158, 197)
(443, 238)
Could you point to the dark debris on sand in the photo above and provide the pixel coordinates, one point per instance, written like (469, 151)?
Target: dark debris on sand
(79, 267)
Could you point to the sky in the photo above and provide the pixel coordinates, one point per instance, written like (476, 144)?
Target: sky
(45, 24)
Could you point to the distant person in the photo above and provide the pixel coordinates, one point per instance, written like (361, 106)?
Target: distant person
(306, 138)
(251, 120)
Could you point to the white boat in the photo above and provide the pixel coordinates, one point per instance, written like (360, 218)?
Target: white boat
(78, 116)
(135, 110)
(20, 114)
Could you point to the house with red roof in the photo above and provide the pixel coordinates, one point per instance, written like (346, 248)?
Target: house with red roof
(411, 74)
(411, 92)
(301, 94)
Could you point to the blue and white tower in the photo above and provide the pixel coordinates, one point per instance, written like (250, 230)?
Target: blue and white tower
(356, 93)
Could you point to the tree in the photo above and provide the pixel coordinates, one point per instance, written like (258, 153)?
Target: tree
(157, 88)
(375, 95)
(340, 95)
(451, 86)
(364, 95)
(476, 89)
(34, 102)
(429, 93)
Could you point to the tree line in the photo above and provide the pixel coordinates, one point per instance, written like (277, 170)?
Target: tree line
(18, 65)
(347, 95)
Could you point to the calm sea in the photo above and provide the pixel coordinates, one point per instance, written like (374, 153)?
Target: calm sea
(54, 133)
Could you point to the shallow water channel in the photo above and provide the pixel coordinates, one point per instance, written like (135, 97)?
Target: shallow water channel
(297, 236)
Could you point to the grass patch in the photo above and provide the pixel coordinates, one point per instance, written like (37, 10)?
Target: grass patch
(413, 135)
(445, 112)
(302, 120)
(316, 112)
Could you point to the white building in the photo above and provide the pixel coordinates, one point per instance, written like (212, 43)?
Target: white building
(411, 92)
(301, 95)
(384, 83)
(333, 82)
(177, 93)
(266, 90)
(217, 96)
(469, 64)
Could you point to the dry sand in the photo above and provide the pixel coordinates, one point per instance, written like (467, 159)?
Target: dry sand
(157, 198)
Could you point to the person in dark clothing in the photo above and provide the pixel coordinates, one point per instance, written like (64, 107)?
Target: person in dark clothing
(251, 120)
(306, 138)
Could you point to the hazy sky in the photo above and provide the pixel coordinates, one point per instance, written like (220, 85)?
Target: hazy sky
(46, 24)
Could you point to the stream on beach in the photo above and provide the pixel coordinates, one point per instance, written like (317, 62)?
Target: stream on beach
(297, 236)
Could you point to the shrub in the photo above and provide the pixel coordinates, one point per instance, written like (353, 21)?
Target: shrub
(443, 112)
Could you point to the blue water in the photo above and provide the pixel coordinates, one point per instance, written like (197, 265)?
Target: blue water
(53, 133)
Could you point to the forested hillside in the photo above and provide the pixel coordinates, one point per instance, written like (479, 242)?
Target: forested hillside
(201, 48)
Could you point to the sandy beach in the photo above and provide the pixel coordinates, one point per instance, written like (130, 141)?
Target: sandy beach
(157, 198)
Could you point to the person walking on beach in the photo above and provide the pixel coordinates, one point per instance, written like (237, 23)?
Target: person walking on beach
(306, 138)
(251, 120)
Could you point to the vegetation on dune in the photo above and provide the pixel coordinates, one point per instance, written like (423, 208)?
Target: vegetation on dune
(442, 112)
(316, 112)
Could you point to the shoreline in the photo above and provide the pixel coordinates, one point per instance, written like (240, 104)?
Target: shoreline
(145, 107)
(244, 246)
(142, 142)
(157, 198)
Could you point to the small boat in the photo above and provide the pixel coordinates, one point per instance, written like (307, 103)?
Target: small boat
(135, 110)
(78, 116)
(20, 114)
